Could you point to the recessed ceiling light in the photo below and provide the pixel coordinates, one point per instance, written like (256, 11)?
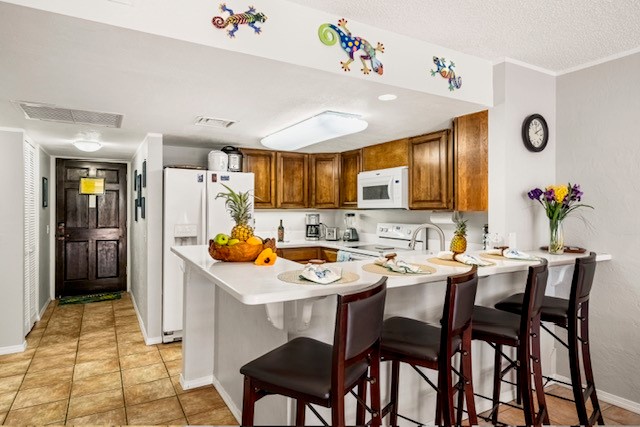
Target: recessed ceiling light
(88, 146)
(387, 97)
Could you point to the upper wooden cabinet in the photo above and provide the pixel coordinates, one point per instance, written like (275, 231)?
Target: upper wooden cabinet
(325, 180)
(430, 171)
(387, 155)
(350, 166)
(263, 164)
(471, 172)
(292, 180)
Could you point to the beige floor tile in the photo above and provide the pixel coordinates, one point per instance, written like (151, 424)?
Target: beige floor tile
(98, 367)
(17, 357)
(38, 415)
(47, 378)
(32, 343)
(9, 384)
(107, 333)
(174, 367)
(130, 336)
(54, 339)
(6, 399)
(127, 320)
(96, 384)
(3, 415)
(99, 353)
(568, 394)
(621, 416)
(199, 401)
(512, 416)
(178, 422)
(127, 348)
(124, 312)
(561, 412)
(144, 374)
(51, 362)
(81, 406)
(156, 412)
(175, 380)
(58, 349)
(218, 417)
(98, 343)
(171, 353)
(36, 333)
(114, 417)
(14, 368)
(128, 328)
(147, 392)
(40, 395)
(94, 327)
(140, 359)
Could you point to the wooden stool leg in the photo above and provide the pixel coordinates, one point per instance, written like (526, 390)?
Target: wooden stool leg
(445, 379)
(468, 378)
(395, 378)
(337, 410)
(300, 412)
(524, 373)
(248, 403)
(360, 409)
(574, 366)
(497, 383)
(375, 389)
(543, 410)
(586, 359)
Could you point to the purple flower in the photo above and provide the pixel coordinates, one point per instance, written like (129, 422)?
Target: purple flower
(535, 194)
(550, 195)
(576, 194)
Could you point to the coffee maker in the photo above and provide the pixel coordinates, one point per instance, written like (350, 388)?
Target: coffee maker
(350, 233)
(312, 227)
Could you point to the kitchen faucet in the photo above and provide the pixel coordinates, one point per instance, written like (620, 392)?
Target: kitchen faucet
(414, 236)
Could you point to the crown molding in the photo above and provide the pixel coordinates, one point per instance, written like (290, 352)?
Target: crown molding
(599, 61)
(523, 64)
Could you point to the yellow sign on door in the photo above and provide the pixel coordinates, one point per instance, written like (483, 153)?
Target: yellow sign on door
(93, 186)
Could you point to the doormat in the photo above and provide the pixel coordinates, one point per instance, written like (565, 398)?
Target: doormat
(85, 299)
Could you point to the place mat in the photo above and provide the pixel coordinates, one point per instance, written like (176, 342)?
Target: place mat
(496, 257)
(294, 277)
(450, 263)
(378, 269)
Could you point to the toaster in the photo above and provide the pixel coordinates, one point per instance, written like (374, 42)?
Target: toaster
(331, 233)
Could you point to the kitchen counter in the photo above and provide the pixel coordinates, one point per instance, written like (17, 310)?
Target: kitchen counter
(235, 312)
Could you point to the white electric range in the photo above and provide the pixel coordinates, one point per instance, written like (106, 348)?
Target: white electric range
(390, 237)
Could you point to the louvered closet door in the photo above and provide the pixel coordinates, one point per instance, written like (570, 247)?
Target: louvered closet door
(30, 237)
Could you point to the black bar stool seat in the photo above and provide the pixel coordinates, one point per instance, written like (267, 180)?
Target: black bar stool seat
(302, 365)
(494, 325)
(413, 338)
(555, 310)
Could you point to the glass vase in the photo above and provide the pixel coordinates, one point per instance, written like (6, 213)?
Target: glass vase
(556, 237)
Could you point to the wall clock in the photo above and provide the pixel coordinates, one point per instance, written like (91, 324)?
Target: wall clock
(535, 133)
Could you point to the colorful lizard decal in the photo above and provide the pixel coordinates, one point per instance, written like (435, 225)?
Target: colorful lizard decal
(447, 72)
(329, 35)
(250, 17)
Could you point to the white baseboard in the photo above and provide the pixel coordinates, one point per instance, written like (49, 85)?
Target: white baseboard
(237, 412)
(44, 308)
(621, 402)
(198, 382)
(13, 348)
(148, 340)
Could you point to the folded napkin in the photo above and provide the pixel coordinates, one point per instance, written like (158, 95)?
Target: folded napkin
(398, 266)
(321, 274)
(463, 258)
(343, 256)
(512, 254)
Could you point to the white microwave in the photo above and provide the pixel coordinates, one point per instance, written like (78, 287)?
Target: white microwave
(384, 189)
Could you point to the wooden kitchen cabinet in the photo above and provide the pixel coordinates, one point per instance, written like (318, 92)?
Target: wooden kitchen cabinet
(431, 171)
(328, 254)
(301, 255)
(292, 180)
(350, 166)
(386, 155)
(471, 172)
(325, 180)
(263, 164)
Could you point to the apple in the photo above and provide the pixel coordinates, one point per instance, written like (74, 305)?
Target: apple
(233, 242)
(221, 239)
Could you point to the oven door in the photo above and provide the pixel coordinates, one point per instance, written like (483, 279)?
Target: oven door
(376, 192)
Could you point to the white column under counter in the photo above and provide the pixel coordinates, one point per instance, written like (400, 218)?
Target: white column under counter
(235, 312)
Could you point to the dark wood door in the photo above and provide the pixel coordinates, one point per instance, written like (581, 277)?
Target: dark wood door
(91, 234)
(431, 171)
(350, 167)
(325, 180)
(293, 180)
(263, 164)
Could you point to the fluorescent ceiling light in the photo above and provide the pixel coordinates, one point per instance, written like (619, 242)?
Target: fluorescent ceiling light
(88, 146)
(387, 97)
(326, 125)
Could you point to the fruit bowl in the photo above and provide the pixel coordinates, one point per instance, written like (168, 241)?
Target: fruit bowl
(240, 252)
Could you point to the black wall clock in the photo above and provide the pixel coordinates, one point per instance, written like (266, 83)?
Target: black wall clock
(535, 133)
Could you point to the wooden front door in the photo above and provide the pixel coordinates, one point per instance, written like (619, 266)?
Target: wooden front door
(91, 232)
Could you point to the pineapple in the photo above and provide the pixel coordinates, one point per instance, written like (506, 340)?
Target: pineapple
(239, 206)
(459, 241)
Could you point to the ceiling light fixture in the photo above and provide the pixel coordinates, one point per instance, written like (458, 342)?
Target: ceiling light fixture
(387, 97)
(88, 146)
(322, 127)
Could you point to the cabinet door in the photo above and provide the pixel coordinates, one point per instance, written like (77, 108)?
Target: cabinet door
(329, 255)
(293, 180)
(431, 171)
(263, 164)
(325, 180)
(471, 148)
(386, 155)
(301, 255)
(350, 166)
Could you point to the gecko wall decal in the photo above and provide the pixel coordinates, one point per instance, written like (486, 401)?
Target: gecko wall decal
(250, 17)
(330, 34)
(447, 72)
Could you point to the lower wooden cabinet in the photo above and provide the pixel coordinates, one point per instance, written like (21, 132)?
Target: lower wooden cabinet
(304, 254)
(325, 180)
(431, 171)
(292, 180)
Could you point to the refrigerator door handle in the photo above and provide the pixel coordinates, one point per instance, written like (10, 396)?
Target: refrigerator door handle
(205, 220)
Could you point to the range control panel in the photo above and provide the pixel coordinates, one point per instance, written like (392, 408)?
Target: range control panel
(398, 231)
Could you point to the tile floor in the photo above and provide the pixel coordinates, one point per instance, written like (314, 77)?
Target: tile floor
(88, 364)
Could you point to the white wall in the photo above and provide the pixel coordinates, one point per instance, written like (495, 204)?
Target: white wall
(599, 148)
(12, 238)
(44, 252)
(146, 241)
(513, 170)
(185, 156)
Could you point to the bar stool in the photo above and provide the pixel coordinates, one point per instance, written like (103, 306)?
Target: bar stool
(420, 344)
(500, 328)
(573, 316)
(313, 372)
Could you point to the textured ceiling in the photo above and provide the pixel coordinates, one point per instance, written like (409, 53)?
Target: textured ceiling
(553, 34)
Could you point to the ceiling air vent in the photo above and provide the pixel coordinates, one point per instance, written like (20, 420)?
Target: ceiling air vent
(213, 122)
(52, 113)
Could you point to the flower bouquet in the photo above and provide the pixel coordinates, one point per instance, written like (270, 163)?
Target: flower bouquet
(558, 202)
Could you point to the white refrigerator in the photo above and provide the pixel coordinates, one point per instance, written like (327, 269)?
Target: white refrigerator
(192, 216)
